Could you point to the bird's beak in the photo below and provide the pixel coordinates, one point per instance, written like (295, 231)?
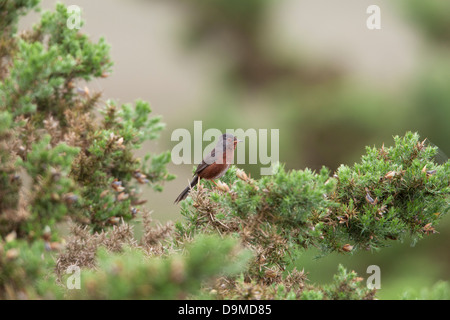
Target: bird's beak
(240, 140)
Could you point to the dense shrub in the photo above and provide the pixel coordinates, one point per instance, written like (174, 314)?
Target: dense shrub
(65, 155)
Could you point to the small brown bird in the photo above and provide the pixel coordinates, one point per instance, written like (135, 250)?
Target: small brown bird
(215, 165)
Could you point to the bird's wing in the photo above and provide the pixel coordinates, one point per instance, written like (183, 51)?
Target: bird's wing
(209, 159)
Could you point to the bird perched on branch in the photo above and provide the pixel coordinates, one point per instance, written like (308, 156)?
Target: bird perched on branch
(214, 165)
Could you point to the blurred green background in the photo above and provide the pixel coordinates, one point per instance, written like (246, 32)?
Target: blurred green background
(310, 68)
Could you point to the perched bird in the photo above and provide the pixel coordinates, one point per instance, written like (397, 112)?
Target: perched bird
(215, 164)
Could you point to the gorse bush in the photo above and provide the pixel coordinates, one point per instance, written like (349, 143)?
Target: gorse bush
(129, 273)
(68, 155)
(392, 193)
(80, 166)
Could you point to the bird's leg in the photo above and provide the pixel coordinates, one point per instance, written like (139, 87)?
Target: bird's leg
(215, 183)
(199, 185)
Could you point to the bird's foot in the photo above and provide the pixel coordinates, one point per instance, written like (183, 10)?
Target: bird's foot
(221, 186)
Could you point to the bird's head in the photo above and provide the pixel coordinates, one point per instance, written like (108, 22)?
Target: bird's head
(229, 141)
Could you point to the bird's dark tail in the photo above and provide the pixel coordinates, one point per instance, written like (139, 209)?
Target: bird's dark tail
(185, 192)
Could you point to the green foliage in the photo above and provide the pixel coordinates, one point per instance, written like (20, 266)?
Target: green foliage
(133, 275)
(54, 191)
(11, 11)
(391, 193)
(26, 271)
(293, 286)
(58, 160)
(439, 291)
(31, 79)
(5, 122)
(43, 71)
(346, 286)
(8, 180)
(89, 60)
(312, 295)
(79, 166)
(109, 171)
(42, 157)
